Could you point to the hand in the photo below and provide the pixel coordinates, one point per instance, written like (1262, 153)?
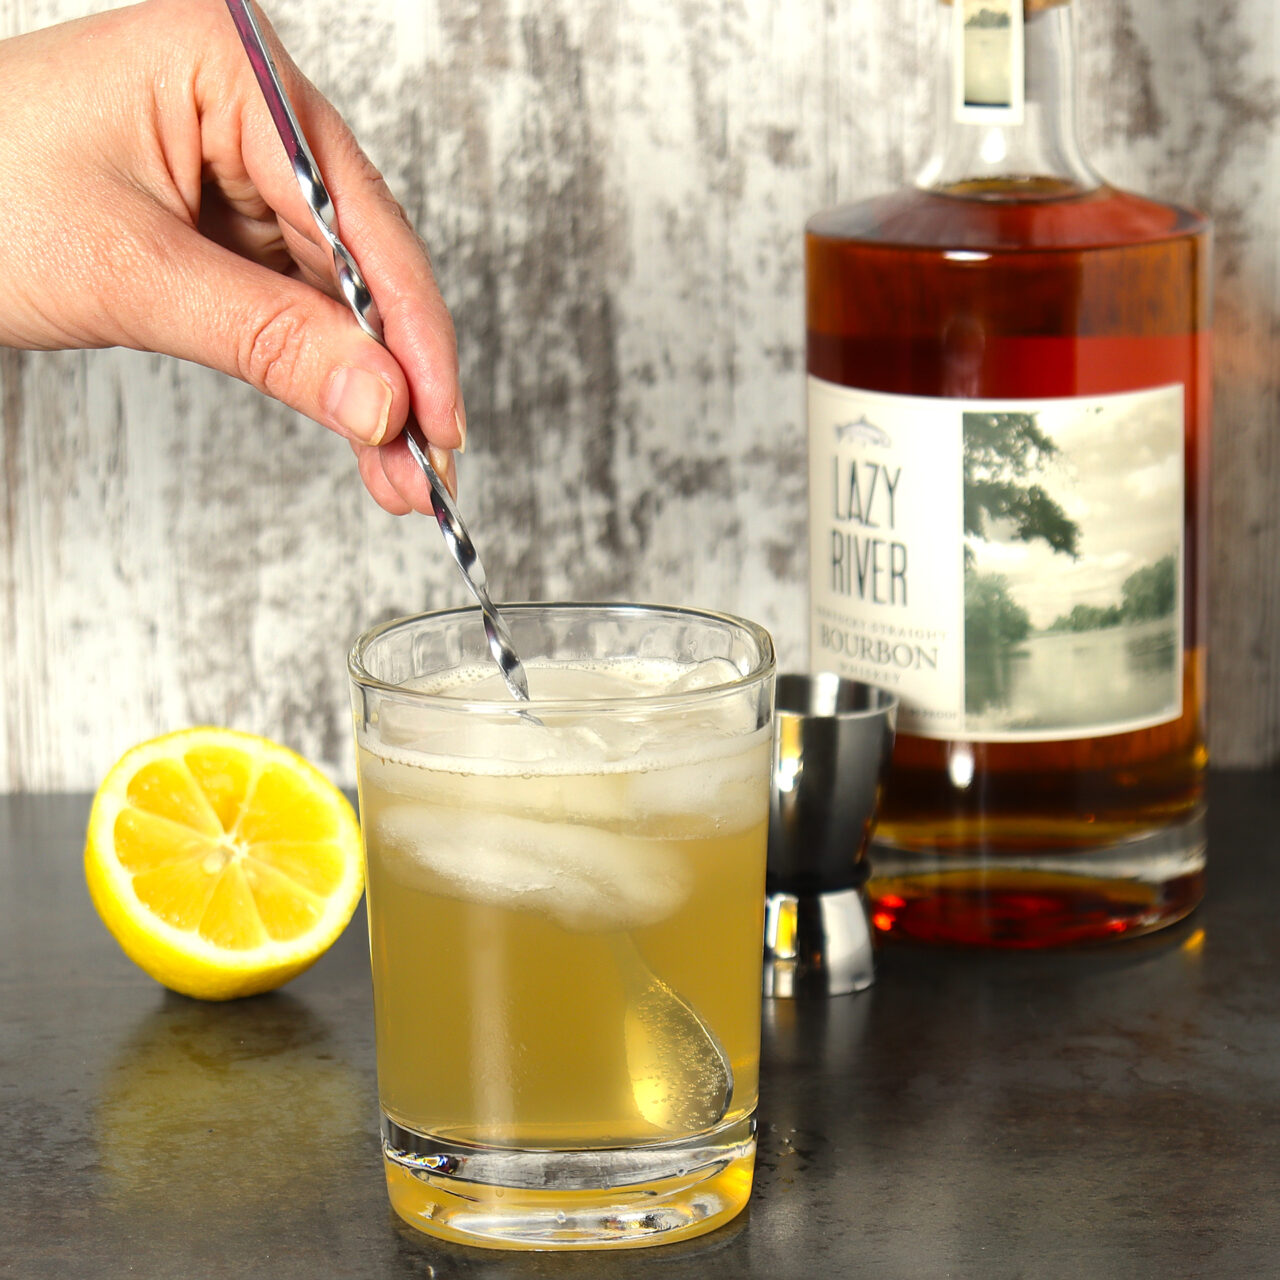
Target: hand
(147, 202)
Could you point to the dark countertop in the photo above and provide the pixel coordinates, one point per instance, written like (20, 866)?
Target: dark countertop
(1108, 1113)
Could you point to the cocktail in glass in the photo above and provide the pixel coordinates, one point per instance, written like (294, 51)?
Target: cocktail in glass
(565, 906)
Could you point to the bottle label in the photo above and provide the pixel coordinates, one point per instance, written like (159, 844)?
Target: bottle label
(1013, 569)
(988, 52)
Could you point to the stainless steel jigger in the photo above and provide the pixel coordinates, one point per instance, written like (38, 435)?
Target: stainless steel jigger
(360, 300)
(832, 742)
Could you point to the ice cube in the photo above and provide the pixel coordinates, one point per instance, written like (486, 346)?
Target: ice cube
(584, 878)
(703, 675)
(718, 791)
(403, 724)
(605, 738)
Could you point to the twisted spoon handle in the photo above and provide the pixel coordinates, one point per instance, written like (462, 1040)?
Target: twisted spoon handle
(360, 300)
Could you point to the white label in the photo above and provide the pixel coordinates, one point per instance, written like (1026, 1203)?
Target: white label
(1013, 569)
(988, 76)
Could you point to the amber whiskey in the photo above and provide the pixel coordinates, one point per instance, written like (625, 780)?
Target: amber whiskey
(1009, 415)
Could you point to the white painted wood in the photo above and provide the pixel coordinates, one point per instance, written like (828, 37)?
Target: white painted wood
(614, 194)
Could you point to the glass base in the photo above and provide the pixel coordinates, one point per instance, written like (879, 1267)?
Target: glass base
(613, 1198)
(1031, 900)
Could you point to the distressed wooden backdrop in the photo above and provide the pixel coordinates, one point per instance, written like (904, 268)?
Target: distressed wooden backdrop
(614, 192)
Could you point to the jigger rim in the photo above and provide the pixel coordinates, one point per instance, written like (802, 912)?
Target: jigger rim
(829, 695)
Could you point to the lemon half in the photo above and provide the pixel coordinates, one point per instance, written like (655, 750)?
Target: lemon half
(222, 863)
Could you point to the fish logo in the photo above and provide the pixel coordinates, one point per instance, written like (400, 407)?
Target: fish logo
(864, 432)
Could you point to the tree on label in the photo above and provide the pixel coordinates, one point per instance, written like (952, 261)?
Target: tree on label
(993, 623)
(1151, 592)
(1001, 452)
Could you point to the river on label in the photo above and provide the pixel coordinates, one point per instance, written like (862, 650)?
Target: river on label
(1103, 681)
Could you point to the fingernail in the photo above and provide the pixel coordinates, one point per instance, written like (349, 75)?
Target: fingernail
(359, 402)
(446, 468)
(460, 421)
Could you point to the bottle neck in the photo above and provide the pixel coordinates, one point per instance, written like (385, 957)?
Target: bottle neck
(1006, 110)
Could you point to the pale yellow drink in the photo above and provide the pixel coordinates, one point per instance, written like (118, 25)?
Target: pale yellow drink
(529, 884)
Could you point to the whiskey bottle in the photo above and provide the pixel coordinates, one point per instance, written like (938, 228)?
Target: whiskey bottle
(1008, 406)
